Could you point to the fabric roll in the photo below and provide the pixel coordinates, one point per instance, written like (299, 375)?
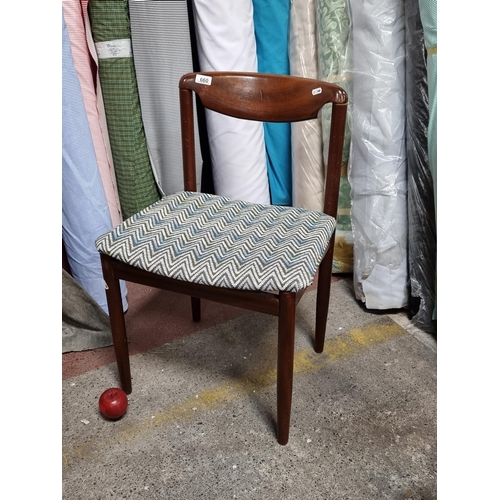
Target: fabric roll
(308, 172)
(85, 211)
(73, 16)
(226, 42)
(103, 123)
(428, 15)
(110, 25)
(271, 21)
(161, 45)
(421, 214)
(333, 36)
(84, 324)
(377, 172)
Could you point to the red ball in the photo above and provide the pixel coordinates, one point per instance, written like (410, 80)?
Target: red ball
(113, 403)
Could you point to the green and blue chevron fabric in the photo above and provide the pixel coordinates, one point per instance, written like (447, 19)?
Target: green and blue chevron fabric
(134, 175)
(219, 241)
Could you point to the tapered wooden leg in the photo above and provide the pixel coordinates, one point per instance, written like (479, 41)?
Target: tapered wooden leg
(196, 308)
(117, 321)
(323, 297)
(286, 347)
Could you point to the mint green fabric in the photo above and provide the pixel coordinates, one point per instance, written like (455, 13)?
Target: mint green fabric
(333, 34)
(428, 15)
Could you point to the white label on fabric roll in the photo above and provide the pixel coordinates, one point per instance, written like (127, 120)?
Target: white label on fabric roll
(205, 80)
(317, 91)
(114, 48)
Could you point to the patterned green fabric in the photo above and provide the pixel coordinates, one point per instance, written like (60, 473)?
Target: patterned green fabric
(333, 34)
(134, 176)
(428, 15)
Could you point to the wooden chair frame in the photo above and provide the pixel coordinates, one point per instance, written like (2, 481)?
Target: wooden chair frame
(266, 98)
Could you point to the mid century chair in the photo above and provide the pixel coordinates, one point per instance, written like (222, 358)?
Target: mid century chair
(254, 256)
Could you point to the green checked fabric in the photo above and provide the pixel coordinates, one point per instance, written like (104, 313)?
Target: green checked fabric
(134, 175)
(333, 34)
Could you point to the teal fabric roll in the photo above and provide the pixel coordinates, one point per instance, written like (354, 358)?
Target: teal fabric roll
(271, 21)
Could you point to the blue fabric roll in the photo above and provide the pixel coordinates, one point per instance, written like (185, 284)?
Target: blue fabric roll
(271, 20)
(85, 211)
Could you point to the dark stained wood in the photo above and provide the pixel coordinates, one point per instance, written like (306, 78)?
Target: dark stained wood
(323, 297)
(286, 344)
(263, 302)
(251, 96)
(117, 322)
(196, 309)
(264, 97)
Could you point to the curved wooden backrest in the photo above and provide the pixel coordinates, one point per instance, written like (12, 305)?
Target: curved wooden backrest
(262, 97)
(267, 98)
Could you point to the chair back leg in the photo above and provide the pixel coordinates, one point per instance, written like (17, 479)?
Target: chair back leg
(286, 348)
(196, 309)
(323, 297)
(117, 322)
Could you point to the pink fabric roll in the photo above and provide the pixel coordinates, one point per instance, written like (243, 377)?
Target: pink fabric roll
(76, 19)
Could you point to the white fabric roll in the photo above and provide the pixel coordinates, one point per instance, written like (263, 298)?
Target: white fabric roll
(307, 143)
(377, 172)
(226, 42)
(162, 54)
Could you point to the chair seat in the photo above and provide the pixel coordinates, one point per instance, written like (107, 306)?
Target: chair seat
(219, 241)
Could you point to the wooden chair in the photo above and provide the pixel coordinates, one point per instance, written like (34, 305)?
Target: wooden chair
(253, 256)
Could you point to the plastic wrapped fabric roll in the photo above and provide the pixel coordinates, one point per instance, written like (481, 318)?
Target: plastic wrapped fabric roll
(377, 171)
(271, 21)
(308, 171)
(226, 42)
(333, 35)
(73, 17)
(421, 214)
(161, 45)
(110, 25)
(428, 15)
(85, 211)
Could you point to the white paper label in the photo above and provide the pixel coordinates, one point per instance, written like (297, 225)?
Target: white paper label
(114, 48)
(204, 79)
(317, 91)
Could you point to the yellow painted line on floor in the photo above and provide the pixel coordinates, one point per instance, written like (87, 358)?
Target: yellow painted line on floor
(345, 346)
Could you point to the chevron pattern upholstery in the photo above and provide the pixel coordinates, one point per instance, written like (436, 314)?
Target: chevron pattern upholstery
(215, 240)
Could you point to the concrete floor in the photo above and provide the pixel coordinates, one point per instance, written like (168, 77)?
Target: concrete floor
(201, 417)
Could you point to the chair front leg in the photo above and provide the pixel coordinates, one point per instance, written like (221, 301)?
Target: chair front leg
(117, 322)
(286, 347)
